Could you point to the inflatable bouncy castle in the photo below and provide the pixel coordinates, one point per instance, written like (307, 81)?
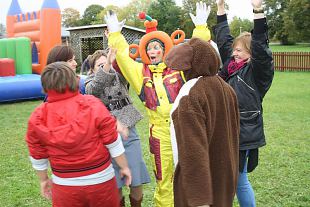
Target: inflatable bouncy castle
(23, 54)
(43, 28)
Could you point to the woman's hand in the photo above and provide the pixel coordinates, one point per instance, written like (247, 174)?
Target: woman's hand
(111, 56)
(257, 4)
(220, 7)
(220, 3)
(123, 130)
(126, 174)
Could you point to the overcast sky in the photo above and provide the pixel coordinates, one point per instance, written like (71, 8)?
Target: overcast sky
(242, 9)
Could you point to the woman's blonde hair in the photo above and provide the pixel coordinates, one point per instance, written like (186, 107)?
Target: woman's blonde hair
(245, 40)
(94, 57)
(59, 77)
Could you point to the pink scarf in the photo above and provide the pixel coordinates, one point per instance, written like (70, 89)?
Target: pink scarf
(233, 66)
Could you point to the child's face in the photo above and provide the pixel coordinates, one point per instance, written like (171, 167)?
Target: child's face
(155, 52)
(72, 63)
(100, 62)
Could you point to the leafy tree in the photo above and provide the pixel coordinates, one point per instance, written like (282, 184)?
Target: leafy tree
(131, 11)
(299, 15)
(70, 17)
(278, 21)
(100, 16)
(91, 13)
(167, 13)
(238, 25)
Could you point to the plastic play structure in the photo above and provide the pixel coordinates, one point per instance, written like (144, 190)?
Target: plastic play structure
(43, 28)
(23, 54)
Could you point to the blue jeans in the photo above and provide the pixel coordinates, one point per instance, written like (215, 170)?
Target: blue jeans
(245, 193)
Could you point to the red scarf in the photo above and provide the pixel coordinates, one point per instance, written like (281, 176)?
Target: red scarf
(233, 66)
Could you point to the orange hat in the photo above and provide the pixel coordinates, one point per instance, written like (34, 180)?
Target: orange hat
(152, 33)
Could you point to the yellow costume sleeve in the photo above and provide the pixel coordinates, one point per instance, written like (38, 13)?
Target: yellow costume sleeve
(202, 32)
(131, 69)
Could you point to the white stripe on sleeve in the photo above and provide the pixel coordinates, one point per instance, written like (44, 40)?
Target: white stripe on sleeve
(41, 164)
(116, 148)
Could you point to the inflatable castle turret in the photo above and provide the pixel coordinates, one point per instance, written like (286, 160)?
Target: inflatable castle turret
(31, 35)
(43, 28)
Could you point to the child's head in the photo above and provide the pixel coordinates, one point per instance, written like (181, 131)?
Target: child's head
(59, 77)
(62, 53)
(242, 47)
(98, 59)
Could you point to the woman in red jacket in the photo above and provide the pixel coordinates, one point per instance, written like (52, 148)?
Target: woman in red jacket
(77, 136)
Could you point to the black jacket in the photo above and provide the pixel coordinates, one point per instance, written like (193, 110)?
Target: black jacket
(250, 83)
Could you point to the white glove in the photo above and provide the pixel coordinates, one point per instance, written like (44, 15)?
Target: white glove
(202, 14)
(112, 22)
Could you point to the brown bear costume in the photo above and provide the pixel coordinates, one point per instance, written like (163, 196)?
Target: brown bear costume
(206, 123)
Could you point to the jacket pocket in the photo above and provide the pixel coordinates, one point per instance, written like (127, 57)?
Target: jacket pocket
(148, 94)
(173, 85)
(250, 117)
(251, 129)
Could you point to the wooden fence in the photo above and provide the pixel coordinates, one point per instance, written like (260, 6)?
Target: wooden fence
(291, 61)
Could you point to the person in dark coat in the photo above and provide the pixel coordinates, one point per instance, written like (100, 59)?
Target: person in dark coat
(206, 126)
(248, 68)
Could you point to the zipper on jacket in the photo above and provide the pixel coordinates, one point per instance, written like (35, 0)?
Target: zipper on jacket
(254, 113)
(240, 79)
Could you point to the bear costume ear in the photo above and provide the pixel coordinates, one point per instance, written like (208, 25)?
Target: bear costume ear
(180, 57)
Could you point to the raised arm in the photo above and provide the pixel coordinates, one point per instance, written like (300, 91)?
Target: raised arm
(102, 78)
(131, 70)
(223, 37)
(200, 21)
(262, 61)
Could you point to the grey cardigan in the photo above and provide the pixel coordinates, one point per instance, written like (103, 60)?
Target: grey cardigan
(110, 87)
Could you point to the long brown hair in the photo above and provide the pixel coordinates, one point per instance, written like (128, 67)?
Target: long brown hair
(59, 76)
(60, 53)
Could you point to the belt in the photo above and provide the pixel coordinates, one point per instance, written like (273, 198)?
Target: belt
(119, 104)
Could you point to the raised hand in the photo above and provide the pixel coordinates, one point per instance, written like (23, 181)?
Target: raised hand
(111, 55)
(202, 14)
(112, 22)
(220, 2)
(257, 4)
(220, 7)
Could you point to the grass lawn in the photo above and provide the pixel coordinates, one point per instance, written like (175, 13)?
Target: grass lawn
(290, 48)
(281, 179)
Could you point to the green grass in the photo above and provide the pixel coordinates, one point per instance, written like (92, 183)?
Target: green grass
(281, 179)
(290, 48)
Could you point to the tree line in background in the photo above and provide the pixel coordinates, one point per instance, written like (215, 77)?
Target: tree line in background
(289, 21)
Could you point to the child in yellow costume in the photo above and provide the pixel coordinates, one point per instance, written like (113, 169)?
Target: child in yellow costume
(157, 86)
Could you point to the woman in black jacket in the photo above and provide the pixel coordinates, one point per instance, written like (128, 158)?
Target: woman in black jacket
(248, 68)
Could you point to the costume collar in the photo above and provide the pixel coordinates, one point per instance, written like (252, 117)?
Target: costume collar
(158, 68)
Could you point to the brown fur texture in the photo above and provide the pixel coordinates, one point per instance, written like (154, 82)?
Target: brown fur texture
(206, 124)
(195, 58)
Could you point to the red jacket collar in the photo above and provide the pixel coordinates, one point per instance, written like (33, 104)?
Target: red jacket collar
(55, 96)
